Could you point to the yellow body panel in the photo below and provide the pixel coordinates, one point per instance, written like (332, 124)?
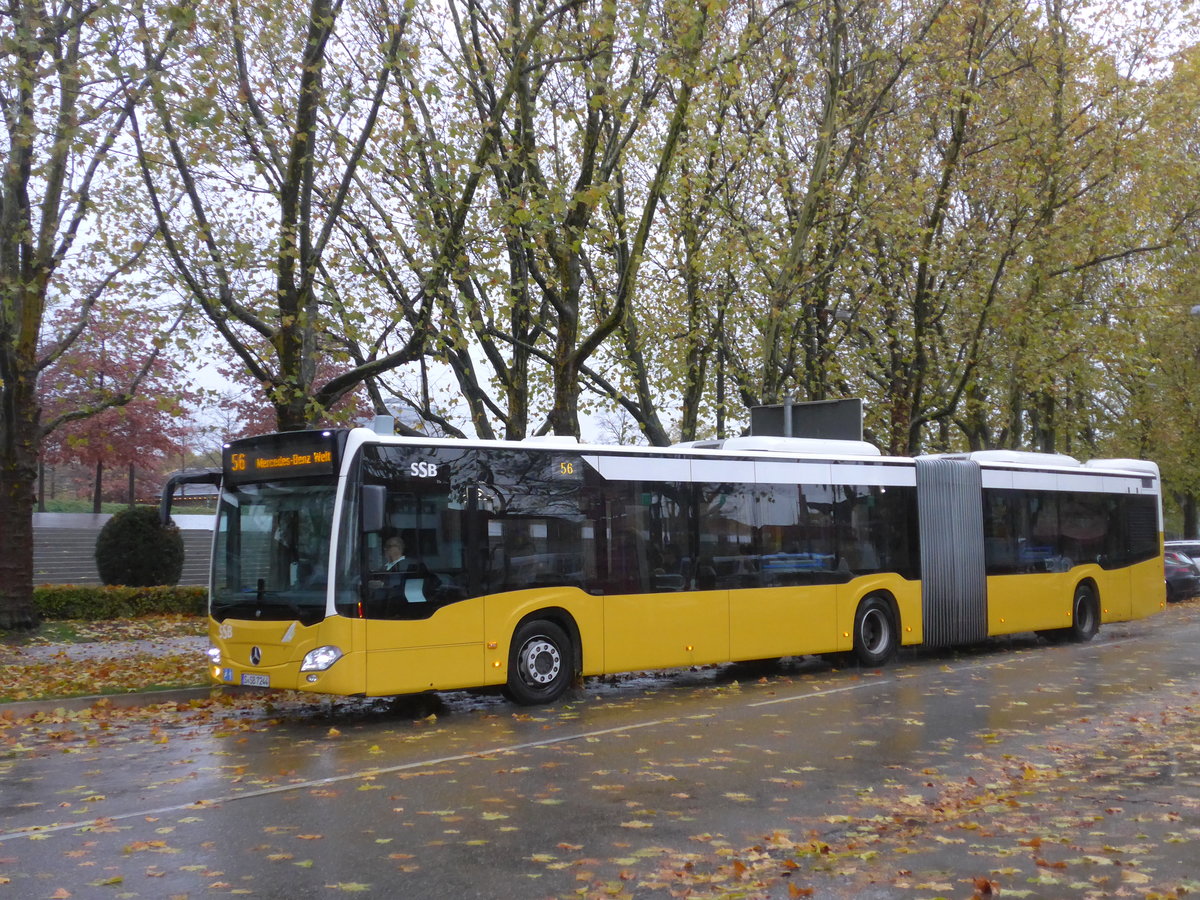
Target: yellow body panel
(783, 621)
(1031, 602)
(1147, 589)
(405, 656)
(468, 644)
(1043, 601)
(661, 631)
(1115, 600)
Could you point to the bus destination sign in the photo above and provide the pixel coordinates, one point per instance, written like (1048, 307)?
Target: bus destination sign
(287, 455)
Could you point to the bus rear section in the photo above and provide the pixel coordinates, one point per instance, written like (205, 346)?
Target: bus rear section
(1072, 546)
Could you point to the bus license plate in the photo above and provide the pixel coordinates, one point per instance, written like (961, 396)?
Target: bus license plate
(256, 680)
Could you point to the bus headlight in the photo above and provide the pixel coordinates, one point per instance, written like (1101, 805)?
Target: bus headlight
(320, 659)
(214, 655)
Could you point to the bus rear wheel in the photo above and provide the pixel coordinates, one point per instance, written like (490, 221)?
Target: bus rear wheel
(876, 635)
(1085, 615)
(540, 665)
(1085, 619)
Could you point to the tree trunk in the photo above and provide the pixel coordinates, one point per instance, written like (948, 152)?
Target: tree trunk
(17, 612)
(98, 488)
(18, 474)
(720, 401)
(292, 416)
(564, 414)
(132, 487)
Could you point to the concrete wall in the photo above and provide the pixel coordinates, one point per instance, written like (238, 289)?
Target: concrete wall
(64, 548)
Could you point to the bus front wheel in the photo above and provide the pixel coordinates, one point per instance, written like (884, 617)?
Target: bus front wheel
(876, 635)
(540, 664)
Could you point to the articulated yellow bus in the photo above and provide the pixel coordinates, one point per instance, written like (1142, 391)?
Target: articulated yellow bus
(347, 562)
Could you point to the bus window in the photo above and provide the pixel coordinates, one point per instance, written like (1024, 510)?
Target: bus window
(1132, 530)
(728, 551)
(272, 550)
(1140, 517)
(799, 537)
(891, 532)
(417, 562)
(876, 529)
(1083, 527)
(667, 506)
(538, 534)
(1022, 533)
(648, 545)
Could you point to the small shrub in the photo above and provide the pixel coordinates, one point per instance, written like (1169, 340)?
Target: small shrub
(92, 603)
(134, 548)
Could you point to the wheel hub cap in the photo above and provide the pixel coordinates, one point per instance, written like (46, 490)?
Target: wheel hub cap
(542, 661)
(874, 633)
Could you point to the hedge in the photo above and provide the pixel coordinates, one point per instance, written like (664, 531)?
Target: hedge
(74, 601)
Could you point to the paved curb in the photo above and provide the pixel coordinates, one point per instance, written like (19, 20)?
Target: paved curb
(22, 708)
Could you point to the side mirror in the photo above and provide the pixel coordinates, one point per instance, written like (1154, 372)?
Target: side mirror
(373, 503)
(205, 476)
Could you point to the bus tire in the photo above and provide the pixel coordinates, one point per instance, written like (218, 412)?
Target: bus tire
(1085, 615)
(876, 634)
(540, 663)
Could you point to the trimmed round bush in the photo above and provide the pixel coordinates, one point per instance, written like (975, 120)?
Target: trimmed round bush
(134, 548)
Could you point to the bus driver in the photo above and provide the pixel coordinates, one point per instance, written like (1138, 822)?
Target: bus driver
(394, 559)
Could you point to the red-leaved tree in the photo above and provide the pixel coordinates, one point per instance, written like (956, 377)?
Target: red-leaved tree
(81, 429)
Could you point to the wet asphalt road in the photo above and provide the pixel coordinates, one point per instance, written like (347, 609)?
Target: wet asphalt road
(621, 790)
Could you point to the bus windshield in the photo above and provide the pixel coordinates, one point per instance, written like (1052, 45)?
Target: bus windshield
(272, 550)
